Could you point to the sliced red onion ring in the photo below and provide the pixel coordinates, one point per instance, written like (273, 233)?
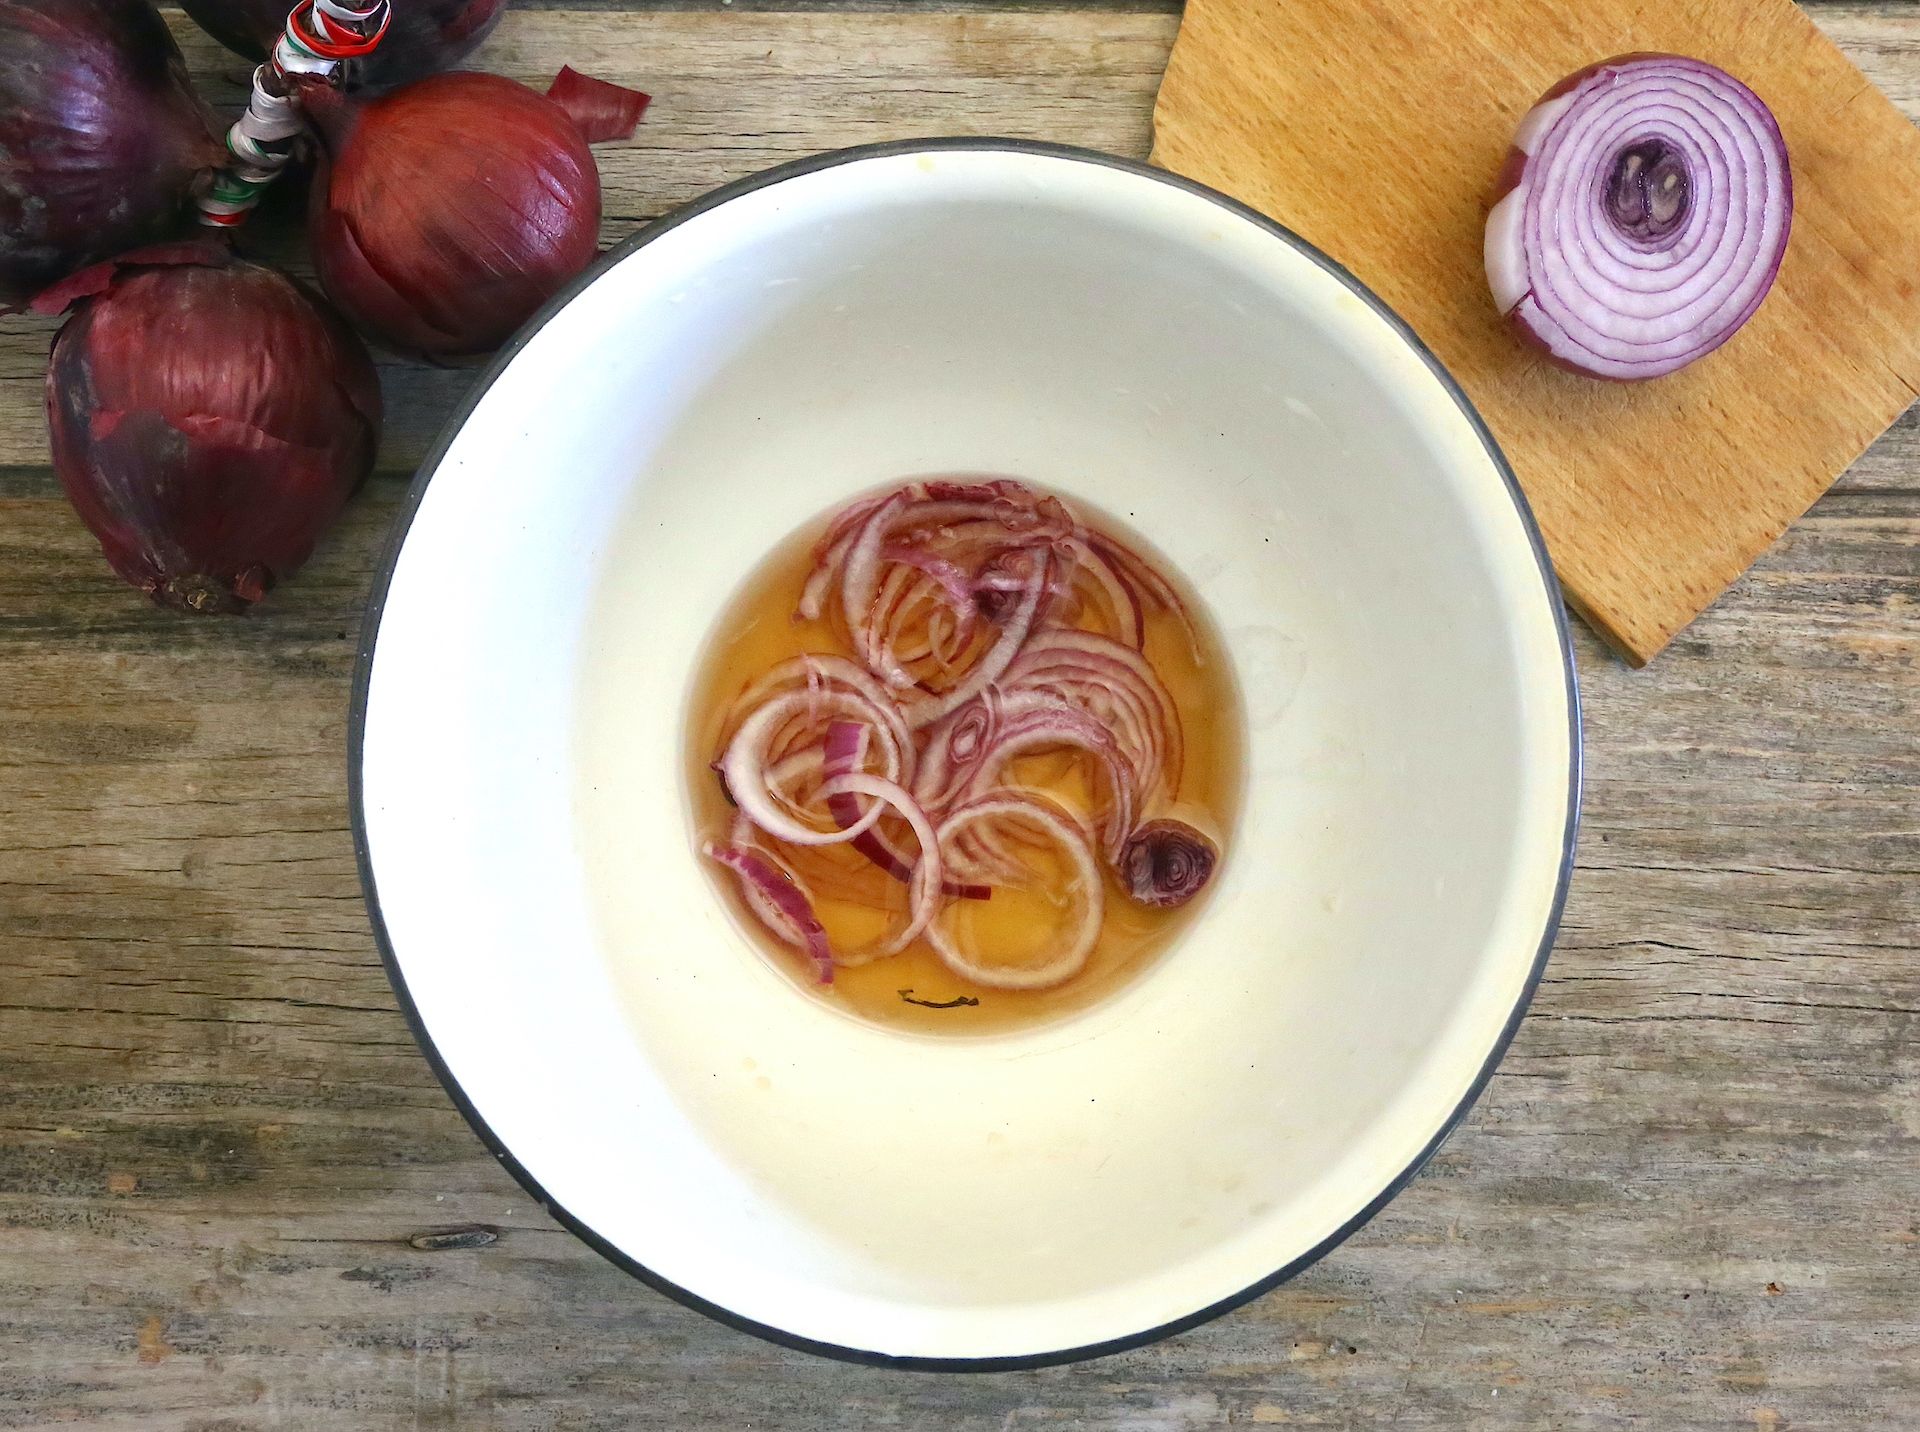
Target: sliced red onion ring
(1071, 956)
(905, 507)
(850, 554)
(1013, 635)
(990, 490)
(746, 764)
(846, 748)
(778, 892)
(1118, 594)
(1139, 576)
(894, 606)
(953, 748)
(952, 580)
(1641, 217)
(1032, 722)
(923, 891)
(818, 672)
(1118, 685)
(987, 622)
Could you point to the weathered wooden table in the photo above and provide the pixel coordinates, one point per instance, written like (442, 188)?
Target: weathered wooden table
(233, 1196)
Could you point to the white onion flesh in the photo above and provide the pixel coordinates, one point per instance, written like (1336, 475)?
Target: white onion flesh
(1642, 217)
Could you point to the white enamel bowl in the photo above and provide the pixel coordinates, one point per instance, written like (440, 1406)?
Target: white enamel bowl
(1380, 919)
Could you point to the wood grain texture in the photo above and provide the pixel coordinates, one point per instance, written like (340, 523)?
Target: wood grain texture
(806, 82)
(1652, 496)
(232, 1196)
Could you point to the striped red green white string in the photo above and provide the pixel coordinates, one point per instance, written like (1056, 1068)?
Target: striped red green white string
(320, 38)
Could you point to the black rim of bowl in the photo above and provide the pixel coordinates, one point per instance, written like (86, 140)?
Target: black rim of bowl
(363, 674)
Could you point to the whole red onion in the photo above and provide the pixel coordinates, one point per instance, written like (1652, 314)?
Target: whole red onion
(101, 136)
(449, 211)
(209, 421)
(425, 36)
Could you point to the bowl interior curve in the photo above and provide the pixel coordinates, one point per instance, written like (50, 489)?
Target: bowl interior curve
(1112, 335)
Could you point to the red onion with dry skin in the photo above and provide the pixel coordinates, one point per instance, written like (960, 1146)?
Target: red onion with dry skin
(423, 38)
(209, 420)
(101, 136)
(447, 213)
(1641, 217)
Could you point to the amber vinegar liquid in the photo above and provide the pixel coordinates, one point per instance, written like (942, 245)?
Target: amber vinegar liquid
(856, 901)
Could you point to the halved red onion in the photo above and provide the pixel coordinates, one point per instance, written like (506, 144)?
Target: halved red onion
(1641, 217)
(1071, 954)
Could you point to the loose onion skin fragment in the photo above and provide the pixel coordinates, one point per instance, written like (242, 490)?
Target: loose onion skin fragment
(1641, 216)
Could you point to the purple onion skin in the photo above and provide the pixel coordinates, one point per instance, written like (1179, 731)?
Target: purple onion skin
(425, 36)
(1165, 863)
(101, 136)
(208, 424)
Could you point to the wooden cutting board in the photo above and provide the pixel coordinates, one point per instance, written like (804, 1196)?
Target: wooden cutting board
(1374, 129)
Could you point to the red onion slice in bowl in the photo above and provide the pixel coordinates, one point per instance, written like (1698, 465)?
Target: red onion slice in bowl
(749, 757)
(843, 753)
(1070, 953)
(1039, 723)
(999, 656)
(1641, 217)
(924, 890)
(778, 900)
